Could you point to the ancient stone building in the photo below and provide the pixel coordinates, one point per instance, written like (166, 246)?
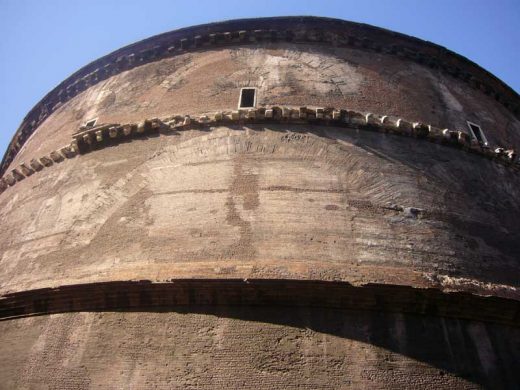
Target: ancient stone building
(290, 202)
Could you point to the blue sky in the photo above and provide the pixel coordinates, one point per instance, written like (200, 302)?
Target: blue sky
(43, 42)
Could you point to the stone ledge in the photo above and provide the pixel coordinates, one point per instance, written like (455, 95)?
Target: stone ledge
(89, 139)
(166, 296)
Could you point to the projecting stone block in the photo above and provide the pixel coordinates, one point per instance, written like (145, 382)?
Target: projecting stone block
(3, 185)
(390, 124)
(17, 175)
(46, 161)
(113, 132)
(269, 113)
(74, 146)
(26, 171)
(295, 114)
(436, 134)
(356, 118)
(511, 154)
(227, 116)
(260, 113)
(36, 165)
(87, 138)
(99, 136)
(56, 157)
(405, 127)
(277, 113)
(203, 119)
(127, 129)
(449, 135)
(144, 126)
(68, 152)
(373, 121)
(156, 124)
(505, 155)
(421, 130)
(463, 138)
(9, 179)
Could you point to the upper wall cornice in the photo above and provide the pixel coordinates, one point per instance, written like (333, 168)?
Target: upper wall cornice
(295, 29)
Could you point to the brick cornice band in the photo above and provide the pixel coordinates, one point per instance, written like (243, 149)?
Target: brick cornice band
(90, 139)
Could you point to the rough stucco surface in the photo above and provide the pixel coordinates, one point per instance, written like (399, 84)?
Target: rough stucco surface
(276, 202)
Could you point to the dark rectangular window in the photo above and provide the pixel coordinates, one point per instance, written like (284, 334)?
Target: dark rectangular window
(247, 97)
(477, 133)
(91, 123)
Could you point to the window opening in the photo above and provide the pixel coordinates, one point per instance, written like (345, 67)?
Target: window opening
(477, 133)
(91, 123)
(247, 98)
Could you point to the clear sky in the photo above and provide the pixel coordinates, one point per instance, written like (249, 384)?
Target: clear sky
(44, 41)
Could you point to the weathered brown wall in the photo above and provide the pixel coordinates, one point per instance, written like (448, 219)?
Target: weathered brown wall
(249, 348)
(251, 32)
(273, 201)
(266, 202)
(286, 74)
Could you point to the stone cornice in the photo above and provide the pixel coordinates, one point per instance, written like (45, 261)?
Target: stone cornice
(90, 139)
(173, 295)
(308, 30)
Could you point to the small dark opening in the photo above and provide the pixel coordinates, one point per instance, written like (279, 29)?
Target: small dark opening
(476, 130)
(247, 97)
(91, 123)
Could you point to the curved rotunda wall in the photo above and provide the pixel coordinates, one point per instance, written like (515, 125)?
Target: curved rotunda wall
(466, 230)
(284, 74)
(247, 198)
(272, 201)
(251, 32)
(255, 347)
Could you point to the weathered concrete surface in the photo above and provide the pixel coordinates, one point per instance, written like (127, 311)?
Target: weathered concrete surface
(266, 203)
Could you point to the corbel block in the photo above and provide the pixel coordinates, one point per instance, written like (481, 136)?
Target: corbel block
(17, 175)
(46, 161)
(56, 157)
(36, 165)
(420, 130)
(405, 127)
(26, 171)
